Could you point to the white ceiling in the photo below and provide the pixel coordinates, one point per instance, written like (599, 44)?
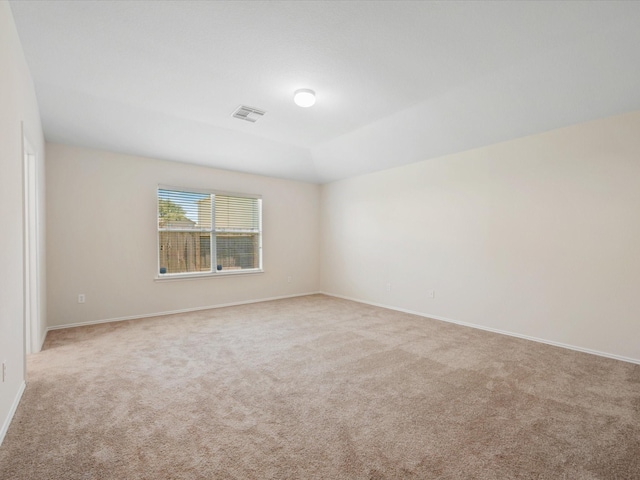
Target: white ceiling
(397, 82)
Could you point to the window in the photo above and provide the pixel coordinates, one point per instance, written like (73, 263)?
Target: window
(203, 233)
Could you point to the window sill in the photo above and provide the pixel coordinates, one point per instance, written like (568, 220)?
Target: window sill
(192, 276)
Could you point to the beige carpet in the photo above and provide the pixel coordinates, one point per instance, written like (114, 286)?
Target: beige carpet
(318, 388)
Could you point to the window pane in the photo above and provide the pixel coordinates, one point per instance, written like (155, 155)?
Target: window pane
(184, 210)
(182, 252)
(237, 213)
(237, 251)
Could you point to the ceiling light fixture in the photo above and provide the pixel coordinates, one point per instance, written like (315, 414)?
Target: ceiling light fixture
(304, 97)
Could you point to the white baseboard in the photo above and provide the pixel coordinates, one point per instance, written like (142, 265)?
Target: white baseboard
(489, 329)
(173, 312)
(12, 411)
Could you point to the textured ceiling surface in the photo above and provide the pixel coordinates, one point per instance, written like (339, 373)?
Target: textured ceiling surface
(397, 82)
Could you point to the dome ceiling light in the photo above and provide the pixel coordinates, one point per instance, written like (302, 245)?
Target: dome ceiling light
(304, 97)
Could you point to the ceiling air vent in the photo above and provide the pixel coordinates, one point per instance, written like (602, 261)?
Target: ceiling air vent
(249, 114)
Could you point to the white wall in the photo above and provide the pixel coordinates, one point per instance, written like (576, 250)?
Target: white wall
(101, 237)
(17, 105)
(538, 236)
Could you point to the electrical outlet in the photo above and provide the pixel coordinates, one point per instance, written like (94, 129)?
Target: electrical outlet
(432, 294)
(4, 371)
(81, 298)
(289, 279)
(388, 287)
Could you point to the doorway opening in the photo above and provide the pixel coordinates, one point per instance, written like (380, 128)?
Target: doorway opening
(31, 255)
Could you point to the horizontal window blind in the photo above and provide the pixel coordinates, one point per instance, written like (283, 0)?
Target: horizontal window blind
(179, 210)
(237, 214)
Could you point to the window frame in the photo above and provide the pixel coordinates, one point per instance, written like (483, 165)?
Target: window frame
(213, 270)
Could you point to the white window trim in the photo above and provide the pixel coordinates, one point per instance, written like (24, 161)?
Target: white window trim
(213, 273)
(192, 276)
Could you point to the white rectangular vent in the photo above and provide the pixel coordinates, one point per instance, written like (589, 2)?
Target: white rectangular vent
(249, 114)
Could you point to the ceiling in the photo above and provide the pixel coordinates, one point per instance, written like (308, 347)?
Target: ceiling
(397, 82)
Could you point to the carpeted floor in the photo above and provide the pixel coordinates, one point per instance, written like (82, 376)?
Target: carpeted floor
(318, 388)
